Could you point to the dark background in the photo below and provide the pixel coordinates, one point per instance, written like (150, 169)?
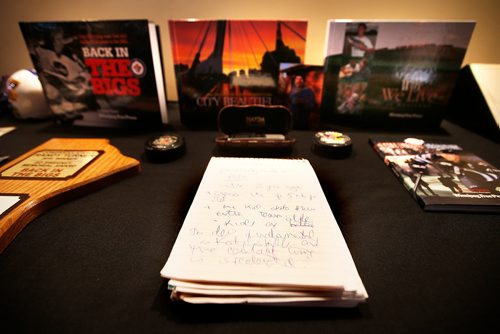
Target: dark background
(93, 264)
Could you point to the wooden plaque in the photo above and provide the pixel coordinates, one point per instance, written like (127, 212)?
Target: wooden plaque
(52, 173)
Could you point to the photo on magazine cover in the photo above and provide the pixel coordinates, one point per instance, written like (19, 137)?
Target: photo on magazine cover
(439, 174)
(231, 62)
(300, 89)
(359, 45)
(381, 72)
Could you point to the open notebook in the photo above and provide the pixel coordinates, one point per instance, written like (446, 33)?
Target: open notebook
(261, 231)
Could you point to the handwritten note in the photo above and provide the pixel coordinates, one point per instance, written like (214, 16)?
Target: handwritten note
(262, 222)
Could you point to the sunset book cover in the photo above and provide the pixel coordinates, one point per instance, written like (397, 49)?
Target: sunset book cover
(392, 72)
(231, 62)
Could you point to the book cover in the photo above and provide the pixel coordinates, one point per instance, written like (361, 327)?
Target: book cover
(231, 62)
(300, 87)
(99, 73)
(442, 176)
(386, 73)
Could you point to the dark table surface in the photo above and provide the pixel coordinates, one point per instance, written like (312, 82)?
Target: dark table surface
(92, 264)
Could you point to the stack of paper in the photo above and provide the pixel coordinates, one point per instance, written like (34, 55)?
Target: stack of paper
(261, 231)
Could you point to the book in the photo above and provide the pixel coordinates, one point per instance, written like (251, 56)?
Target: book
(231, 62)
(392, 73)
(99, 73)
(303, 87)
(260, 230)
(442, 176)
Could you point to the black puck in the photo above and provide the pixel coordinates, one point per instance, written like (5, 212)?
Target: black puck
(332, 144)
(165, 147)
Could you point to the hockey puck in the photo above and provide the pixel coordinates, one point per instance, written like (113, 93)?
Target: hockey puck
(165, 147)
(332, 144)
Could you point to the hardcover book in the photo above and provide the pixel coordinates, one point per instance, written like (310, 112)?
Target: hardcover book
(231, 62)
(441, 176)
(99, 73)
(387, 73)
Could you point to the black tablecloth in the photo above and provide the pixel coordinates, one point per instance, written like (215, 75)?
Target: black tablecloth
(92, 264)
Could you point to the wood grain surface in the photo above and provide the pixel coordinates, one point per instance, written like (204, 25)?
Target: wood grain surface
(107, 167)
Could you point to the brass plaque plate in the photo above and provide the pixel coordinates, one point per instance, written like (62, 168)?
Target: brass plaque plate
(51, 164)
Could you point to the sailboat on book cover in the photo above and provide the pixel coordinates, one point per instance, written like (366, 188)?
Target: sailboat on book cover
(231, 62)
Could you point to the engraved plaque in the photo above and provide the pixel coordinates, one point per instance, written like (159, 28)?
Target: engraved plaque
(54, 172)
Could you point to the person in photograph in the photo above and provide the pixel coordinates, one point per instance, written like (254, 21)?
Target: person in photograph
(448, 182)
(346, 71)
(361, 71)
(477, 176)
(422, 185)
(350, 102)
(302, 103)
(66, 78)
(360, 44)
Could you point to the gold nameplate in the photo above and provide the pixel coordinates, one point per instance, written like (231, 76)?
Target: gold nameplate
(51, 164)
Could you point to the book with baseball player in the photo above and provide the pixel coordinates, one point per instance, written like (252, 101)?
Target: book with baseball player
(392, 73)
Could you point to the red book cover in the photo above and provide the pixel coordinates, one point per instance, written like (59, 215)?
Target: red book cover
(99, 73)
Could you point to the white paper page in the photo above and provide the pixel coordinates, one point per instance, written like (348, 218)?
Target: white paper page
(262, 221)
(183, 284)
(260, 293)
(9, 201)
(6, 129)
(284, 301)
(488, 79)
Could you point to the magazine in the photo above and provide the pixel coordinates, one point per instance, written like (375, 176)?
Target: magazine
(442, 176)
(231, 62)
(392, 73)
(99, 73)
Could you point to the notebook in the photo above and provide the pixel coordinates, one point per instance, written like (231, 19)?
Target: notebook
(261, 231)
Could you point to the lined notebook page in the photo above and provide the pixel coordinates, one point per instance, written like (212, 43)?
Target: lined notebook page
(262, 222)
